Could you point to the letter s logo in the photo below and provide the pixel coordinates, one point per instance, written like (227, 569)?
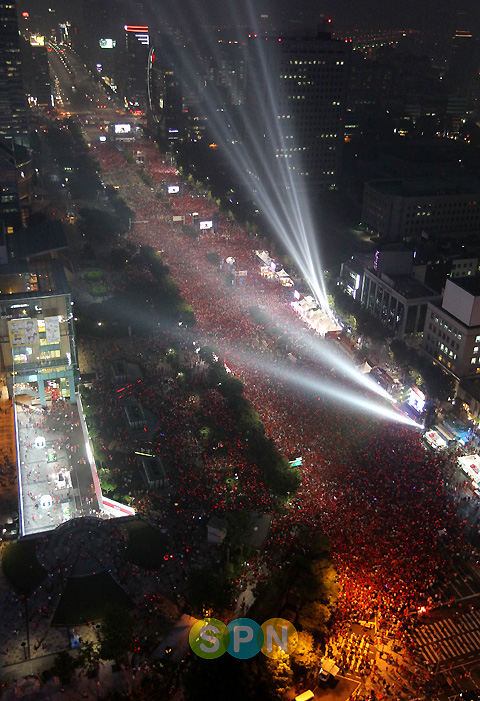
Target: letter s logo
(209, 638)
(204, 634)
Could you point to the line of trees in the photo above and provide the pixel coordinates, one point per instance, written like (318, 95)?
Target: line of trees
(282, 479)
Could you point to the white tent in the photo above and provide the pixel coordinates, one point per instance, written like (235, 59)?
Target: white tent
(322, 323)
(435, 439)
(307, 304)
(470, 464)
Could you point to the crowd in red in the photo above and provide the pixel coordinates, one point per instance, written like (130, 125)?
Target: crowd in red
(370, 485)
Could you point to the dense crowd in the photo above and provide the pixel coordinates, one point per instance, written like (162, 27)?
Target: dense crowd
(370, 485)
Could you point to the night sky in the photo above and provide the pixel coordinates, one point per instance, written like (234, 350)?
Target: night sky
(438, 15)
(422, 14)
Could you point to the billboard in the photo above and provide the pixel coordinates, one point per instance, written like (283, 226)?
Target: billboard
(416, 399)
(173, 189)
(52, 329)
(37, 40)
(23, 332)
(107, 43)
(123, 128)
(206, 224)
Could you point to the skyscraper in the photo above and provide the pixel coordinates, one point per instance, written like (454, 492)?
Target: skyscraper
(165, 101)
(13, 105)
(307, 76)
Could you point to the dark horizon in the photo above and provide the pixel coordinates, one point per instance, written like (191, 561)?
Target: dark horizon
(436, 15)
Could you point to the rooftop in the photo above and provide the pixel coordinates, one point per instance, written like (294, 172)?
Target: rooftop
(407, 286)
(469, 284)
(36, 278)
(427, 187)
(40, 239)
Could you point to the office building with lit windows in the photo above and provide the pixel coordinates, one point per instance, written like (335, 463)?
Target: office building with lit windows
(409, 210)
(390, 293)
(452, 331)
(165, 98)
(307, 78)
(13, 102)
(37, 345)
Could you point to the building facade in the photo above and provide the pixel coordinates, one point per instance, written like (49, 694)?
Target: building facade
(36, 330)
(307, 79)
(399, 302)
(407, 210)
(165, 101)
(13, 102)
(452, 329)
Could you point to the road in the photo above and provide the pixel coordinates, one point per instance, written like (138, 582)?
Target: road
(77, 92)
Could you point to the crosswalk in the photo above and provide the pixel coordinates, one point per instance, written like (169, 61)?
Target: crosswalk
(448, 639)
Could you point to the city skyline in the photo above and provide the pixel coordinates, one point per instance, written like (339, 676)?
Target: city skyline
(440, 15)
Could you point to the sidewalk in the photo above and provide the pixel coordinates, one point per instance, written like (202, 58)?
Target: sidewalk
(176, 639)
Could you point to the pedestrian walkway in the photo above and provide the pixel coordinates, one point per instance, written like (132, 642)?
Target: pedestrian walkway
(8, 457)
(448, 639)
(56, 477)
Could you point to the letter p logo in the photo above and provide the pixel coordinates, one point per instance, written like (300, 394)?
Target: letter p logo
(246, 638)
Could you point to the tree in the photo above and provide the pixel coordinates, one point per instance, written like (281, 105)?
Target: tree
(156, 683)
(231, 388)
(222, 678)
(206, 354)
(207, 588)
(119, 258)
(313, 617)
(107, 480)
(186, 314)
(401, 352)
(98, 226)
(88, 251)
(305, 656)
(88, 657)
(213, 257)
(317, 543)
(116, 637)
(326, 578)
(280, 672)
(64, 666)
(438, 383)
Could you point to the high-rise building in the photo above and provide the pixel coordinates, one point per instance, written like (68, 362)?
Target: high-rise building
(463, 59)
(37, 80)
(165, 103)
(137, 50)
(13, 104)
(306, 77)
(16, 189)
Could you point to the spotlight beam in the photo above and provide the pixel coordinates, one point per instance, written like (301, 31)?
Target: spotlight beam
(313, 385)
(333, 392)
(317, 349)
(279, 199)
